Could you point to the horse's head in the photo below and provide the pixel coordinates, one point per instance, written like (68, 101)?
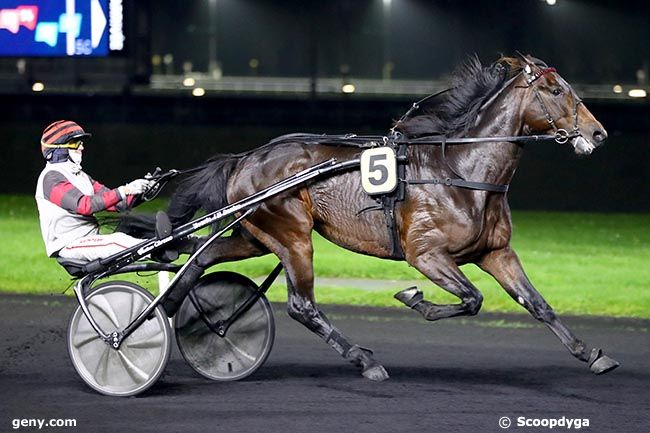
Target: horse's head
(552, 106)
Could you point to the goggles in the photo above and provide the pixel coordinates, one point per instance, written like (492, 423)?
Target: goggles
(74, 145)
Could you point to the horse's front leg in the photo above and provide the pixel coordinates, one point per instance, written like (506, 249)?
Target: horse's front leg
(441, 270)
(505, 267)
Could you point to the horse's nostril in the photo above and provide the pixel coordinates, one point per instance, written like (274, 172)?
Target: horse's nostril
(600, 136)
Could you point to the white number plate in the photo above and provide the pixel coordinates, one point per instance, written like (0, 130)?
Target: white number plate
(378, 170)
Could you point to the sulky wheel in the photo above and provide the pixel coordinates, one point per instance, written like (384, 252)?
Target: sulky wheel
(141, 358)
(247, 342)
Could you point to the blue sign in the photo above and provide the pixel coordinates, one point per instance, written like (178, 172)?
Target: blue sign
(60, 27)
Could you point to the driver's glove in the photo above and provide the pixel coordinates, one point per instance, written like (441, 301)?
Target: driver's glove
(136, 187)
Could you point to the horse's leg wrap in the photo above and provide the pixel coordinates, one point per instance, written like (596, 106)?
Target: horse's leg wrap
(338, 342)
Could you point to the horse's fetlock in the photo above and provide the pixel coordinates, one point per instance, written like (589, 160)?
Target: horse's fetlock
(473, 304)
(359, 356)
(579, 350)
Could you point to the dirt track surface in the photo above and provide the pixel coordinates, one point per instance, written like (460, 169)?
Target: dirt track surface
(455, 375)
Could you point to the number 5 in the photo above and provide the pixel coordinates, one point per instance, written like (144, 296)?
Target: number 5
(378, 170)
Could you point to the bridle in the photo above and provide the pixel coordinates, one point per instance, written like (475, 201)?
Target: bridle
(561, 134)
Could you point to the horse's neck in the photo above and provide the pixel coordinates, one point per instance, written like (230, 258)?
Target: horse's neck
(493, 162)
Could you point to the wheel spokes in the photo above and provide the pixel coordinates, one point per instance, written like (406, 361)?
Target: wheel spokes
(146, 341)
(83, 338)
(137, 306)
(101, 370)
(133, 370)
(239, 350)
(103, 306)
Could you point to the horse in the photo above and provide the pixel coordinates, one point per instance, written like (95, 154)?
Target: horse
(439, 226)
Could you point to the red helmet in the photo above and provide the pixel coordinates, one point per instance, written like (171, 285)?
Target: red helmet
(59, 135)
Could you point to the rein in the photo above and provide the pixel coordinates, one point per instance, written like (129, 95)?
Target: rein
(161, 179)
(397, 138)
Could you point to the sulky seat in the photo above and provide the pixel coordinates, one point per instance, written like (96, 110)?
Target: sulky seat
(75, 267)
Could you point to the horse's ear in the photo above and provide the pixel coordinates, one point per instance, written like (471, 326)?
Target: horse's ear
(502, 67)
(526, 64)
(506, 65)
(522, 57)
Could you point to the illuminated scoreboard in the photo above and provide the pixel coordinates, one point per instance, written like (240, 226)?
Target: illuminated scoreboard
(60, 27)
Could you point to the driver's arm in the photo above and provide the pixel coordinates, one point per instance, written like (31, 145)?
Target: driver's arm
(64, 194)
(121, 206)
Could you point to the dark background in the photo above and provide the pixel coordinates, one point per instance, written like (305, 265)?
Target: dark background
(592, 43)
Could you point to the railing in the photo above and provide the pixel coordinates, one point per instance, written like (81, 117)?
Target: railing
(287, 86)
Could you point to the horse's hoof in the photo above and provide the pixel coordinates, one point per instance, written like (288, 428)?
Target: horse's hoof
(601, 364)
(376, 373)
(410, 297)
(604, 364)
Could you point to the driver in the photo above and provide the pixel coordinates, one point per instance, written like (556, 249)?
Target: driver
(68, 198)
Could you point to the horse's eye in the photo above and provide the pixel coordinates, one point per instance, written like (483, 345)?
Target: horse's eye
(557, 91)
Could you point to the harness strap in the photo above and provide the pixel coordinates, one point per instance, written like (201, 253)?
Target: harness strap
(460, 183)
(439, 139)
(389, 202)
(366, 141)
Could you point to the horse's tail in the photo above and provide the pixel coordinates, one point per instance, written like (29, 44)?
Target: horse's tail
(205, 189)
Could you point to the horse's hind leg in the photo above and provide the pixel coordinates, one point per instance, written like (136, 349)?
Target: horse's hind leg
(294, 248)
(505, 267)
(235, 247)
(442, 271)
(304, 310)
(239, 246)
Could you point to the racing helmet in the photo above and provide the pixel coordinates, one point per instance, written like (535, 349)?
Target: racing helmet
(62, 134)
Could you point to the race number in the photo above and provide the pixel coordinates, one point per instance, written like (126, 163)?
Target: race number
(378, 170)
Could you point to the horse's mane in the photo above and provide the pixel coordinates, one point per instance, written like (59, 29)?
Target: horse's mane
(454, 112)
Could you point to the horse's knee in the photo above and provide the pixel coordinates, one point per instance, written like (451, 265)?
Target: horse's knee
(473, 303)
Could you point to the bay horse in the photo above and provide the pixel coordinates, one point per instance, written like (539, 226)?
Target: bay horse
(439, 227)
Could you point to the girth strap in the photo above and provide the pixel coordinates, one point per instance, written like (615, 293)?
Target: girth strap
(389, 202)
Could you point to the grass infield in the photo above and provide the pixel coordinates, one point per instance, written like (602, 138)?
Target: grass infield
(583, 264)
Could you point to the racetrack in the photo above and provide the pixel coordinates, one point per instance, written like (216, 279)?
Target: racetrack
(453, 375)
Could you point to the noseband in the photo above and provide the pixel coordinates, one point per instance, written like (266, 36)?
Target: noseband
(561, 134)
